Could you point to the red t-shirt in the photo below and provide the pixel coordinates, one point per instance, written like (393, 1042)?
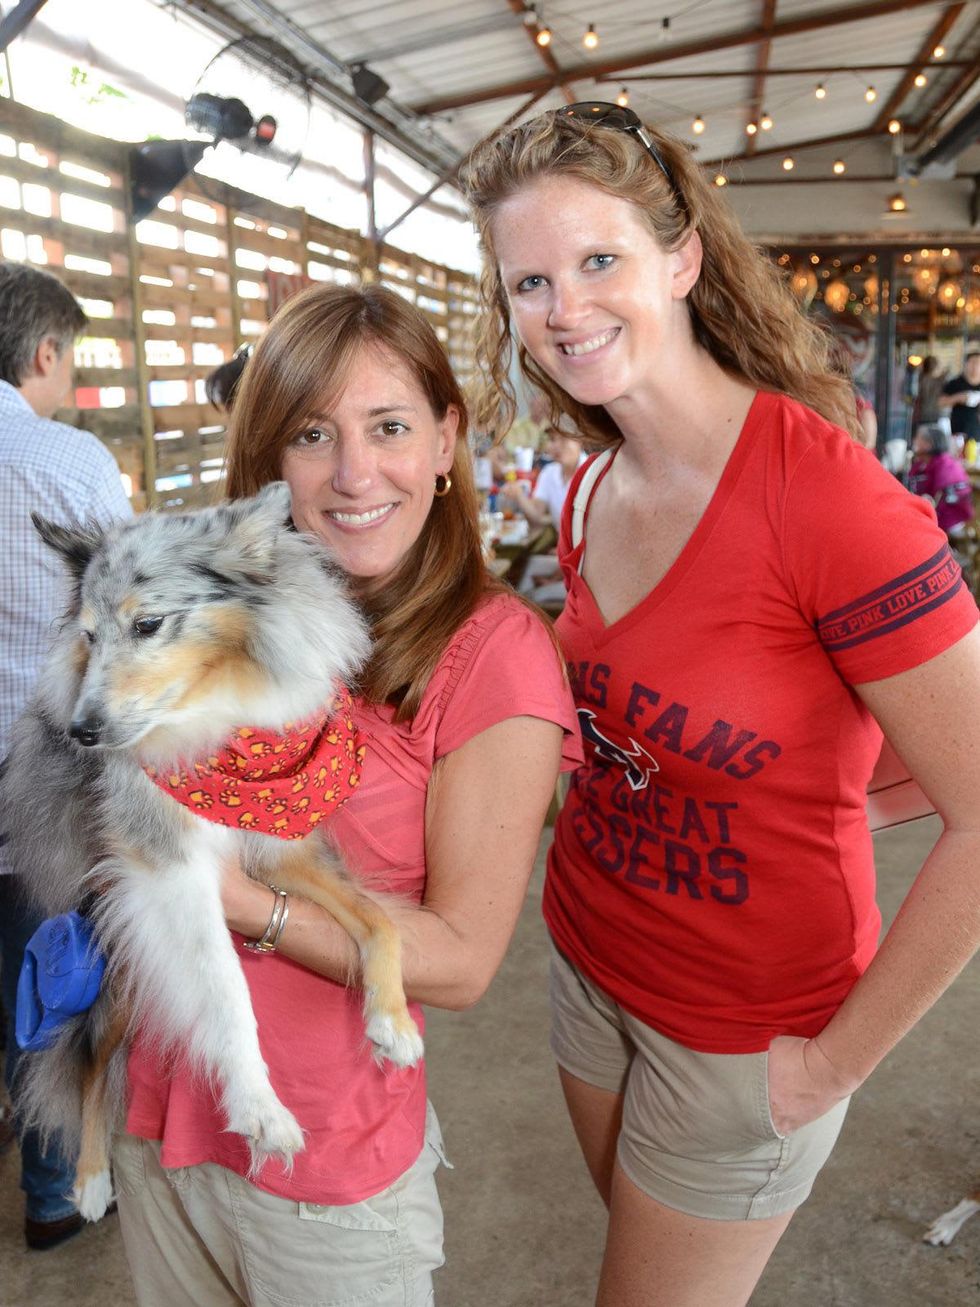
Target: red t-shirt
(712, 868)
(364, 1124)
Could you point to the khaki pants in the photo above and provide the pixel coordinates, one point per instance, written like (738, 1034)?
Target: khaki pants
(201, 1236)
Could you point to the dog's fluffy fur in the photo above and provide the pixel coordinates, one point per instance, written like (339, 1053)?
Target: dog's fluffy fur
(257, 630)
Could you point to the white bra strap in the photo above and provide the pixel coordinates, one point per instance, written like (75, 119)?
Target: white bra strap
(580, 504)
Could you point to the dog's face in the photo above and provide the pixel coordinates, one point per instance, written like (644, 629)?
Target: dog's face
(164, 616)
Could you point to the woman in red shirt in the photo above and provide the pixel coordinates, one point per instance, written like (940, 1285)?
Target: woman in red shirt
(752, 599)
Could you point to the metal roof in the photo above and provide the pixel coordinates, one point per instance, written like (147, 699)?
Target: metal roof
(458, 69)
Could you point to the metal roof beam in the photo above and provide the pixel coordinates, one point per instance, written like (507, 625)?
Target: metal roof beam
(949, 101)
(761, 64)
(799, 71)
(13, 24)
(791, 148)
(850, 13)
(894, 101)
(547, 58)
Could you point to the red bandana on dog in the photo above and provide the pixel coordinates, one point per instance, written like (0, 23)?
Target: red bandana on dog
(276, 784)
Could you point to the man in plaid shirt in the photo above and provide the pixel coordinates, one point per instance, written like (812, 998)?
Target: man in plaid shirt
(63, 474)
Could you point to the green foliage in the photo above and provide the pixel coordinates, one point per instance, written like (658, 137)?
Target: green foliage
(90, 93)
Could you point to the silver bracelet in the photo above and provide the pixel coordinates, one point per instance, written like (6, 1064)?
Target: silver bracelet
(270, 940)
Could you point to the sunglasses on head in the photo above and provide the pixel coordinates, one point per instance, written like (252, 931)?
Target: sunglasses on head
(603, 114)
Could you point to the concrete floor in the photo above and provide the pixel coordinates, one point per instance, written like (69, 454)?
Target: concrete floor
(523, 1228)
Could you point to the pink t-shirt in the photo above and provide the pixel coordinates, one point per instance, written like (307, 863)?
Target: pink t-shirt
(364, 1124)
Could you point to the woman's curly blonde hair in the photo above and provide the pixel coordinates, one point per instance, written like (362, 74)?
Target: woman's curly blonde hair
(742, 311)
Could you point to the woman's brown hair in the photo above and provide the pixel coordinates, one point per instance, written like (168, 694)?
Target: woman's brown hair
(742, 311)
(298, 369)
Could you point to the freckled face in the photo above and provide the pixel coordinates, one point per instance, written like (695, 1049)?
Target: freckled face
(363, 474)
(596, 301)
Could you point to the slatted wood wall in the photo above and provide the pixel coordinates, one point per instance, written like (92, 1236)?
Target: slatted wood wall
(171, 297)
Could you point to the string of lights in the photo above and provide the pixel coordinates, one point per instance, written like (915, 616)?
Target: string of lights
(544, 34)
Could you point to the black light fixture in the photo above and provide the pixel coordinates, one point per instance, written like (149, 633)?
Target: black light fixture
(368, 86)
(222, 117)
(156, 167)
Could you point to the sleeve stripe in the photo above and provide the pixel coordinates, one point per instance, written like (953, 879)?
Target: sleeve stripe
(891, 606)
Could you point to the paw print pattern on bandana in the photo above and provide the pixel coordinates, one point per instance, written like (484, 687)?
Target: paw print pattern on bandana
(277, 783)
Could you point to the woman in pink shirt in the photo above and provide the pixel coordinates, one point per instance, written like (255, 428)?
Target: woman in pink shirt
(939, 476)
(350, 398)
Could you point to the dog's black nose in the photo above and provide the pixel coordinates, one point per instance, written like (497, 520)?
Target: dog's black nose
(86, 732)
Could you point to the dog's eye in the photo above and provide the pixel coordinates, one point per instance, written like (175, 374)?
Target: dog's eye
(147, 625)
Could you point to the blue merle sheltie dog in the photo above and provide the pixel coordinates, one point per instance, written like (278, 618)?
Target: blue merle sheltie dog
(183, 629)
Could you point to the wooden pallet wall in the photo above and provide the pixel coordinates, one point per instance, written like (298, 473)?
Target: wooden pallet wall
(171, 297)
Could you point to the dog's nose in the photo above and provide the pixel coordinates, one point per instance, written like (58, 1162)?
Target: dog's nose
(86, 732)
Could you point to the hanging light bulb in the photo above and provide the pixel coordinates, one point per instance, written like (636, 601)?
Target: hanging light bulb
(939, 51)
(871, 95)
(921, 79)
(839, 166)
(721, 179)
(894, 126)
(897, 203)
(664, 33)
(591, 38)
(821, 91)
(788, 163)
(531, 16)
(697, 127)
(623, 98)
(751, 129)
(765, 122)
(544, 35)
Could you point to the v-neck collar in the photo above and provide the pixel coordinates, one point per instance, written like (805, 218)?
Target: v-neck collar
(604, 631)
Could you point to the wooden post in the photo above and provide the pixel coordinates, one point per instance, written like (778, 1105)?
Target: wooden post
(372, 245)
(231, 240)
(139, 348)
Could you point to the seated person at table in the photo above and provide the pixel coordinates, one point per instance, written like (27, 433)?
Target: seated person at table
(543, 506)
(938, 475)
(541, 579)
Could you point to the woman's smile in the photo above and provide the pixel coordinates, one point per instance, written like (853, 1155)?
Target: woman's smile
(590, 345)
(365, 517)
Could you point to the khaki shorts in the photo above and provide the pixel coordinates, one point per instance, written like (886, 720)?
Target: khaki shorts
(201, 1236)
(697, 1132)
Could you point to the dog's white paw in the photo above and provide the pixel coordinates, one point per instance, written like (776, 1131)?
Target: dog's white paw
(270, 1129)
(397, 1039)
(93, 1195)
(945, 1228)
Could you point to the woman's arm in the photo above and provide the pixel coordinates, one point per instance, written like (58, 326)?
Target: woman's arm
(486, 806)
(931, 715)
(536, 511)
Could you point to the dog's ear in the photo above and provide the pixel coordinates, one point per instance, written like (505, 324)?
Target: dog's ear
(254, 526)
(76, 544)
(274, 499)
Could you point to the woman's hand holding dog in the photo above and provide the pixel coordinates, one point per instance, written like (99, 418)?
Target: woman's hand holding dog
(247, 903)
(477, 872)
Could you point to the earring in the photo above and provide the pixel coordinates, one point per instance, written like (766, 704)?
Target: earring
(443, 485)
